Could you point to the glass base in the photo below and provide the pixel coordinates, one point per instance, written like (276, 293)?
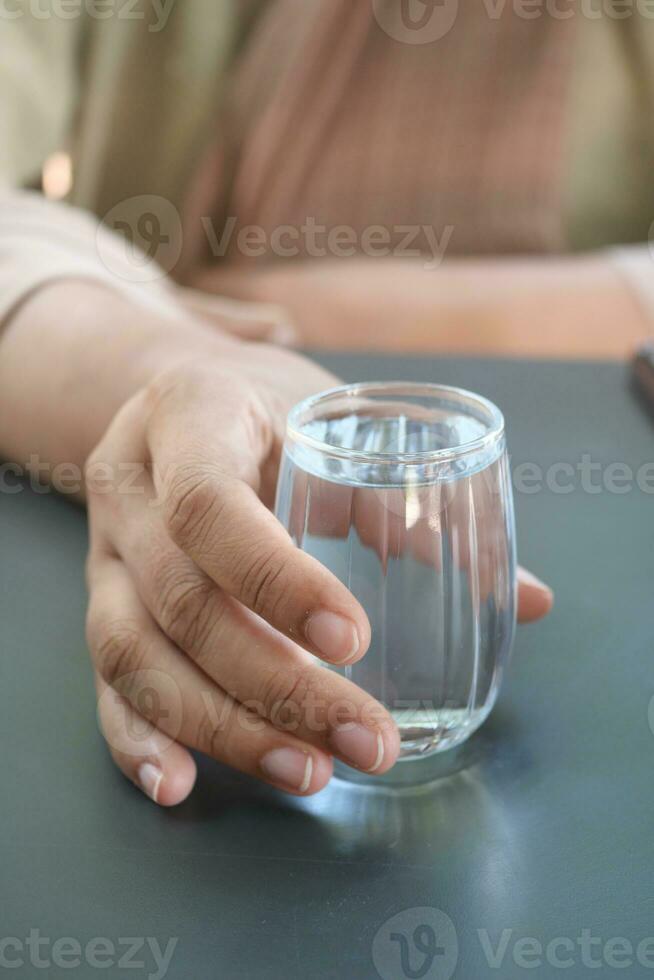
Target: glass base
(427, 732)
(413, 773)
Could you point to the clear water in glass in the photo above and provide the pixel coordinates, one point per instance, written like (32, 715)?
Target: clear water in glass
(403, 492)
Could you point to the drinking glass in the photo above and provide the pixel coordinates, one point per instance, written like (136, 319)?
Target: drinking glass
(403, 491)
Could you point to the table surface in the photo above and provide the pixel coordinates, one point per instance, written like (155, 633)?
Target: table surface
(546, 832)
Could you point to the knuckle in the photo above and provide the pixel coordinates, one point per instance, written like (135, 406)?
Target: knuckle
(284, 693)
(97, 472)
(210, 737)
(190, 507)
(116, 646)
(186, 607)
(260, 583)
(175, 385)
(375, 716)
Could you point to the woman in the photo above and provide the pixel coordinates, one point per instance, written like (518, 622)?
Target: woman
(186, 116)
(514, 151)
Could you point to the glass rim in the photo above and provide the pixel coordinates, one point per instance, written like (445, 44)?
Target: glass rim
(414, 389)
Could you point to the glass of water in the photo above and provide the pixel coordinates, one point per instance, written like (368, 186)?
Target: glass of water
(403, 491)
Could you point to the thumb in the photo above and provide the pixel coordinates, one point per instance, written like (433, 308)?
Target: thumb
(535, 599)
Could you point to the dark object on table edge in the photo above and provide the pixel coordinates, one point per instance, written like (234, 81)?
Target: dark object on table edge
(643, 373)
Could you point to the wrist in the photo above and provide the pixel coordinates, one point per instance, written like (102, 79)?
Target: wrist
(108, 332)
(74, 353)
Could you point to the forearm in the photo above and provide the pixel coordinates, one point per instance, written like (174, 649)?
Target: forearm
(548, 307)
(573, 306)
(71, 355)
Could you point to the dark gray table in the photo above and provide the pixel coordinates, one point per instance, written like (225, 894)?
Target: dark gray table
(548, 832)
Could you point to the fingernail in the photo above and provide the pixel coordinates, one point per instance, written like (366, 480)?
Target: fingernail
(149, 777)
(289, 767)
(528, 578)
(358, 745)
(334, 636)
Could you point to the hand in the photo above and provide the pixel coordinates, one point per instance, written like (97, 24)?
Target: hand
(202, 613)
(176, 654)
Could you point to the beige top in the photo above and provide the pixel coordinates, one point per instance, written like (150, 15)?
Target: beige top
(136, 99)
(331, 118)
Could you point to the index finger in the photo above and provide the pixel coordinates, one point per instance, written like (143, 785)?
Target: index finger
(215, 516)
